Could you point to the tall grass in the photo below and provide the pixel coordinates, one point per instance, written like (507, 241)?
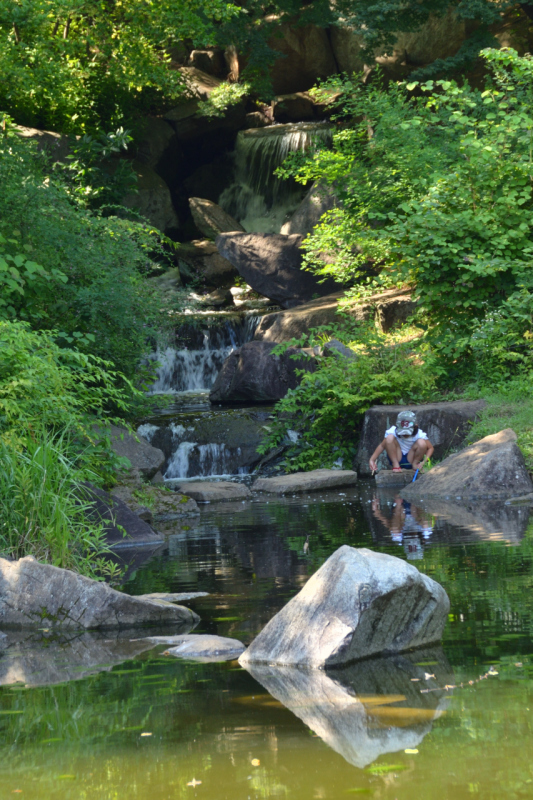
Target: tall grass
(44, 507)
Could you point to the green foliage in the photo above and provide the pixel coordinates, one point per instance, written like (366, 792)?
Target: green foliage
(222, 97)
(45, 386)
(44, 507)
(78, 67)
(436, 190)
(90, 281)
(326, 409)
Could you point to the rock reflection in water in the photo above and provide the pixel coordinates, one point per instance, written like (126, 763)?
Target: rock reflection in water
(38, 658)
(368, 709)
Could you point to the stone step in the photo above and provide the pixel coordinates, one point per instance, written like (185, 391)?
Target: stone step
(387, 478)
(311, 481)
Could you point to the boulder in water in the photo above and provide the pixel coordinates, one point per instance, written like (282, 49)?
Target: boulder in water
(493, 467)
(201, 260)
(40, 595)
(210, 219)
(271, 264)
(313, 481)
(143, 457)
(358, 604)
(253, 374)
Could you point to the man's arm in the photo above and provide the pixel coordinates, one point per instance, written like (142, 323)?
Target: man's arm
(373, 458)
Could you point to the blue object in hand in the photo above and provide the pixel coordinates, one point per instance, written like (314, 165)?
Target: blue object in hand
(414, 479)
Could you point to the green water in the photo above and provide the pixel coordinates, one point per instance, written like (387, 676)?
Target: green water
(216, 727)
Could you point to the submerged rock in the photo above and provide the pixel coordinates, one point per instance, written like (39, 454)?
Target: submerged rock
(312, 481)
(215, 491)
(368, 709)
(271, 264)
(493, 467)
(253, 374)
(40, 595)
(447, 425)
(358, 604)
(201, 647)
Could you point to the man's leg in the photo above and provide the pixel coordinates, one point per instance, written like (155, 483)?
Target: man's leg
(393, 450)
(417, 452)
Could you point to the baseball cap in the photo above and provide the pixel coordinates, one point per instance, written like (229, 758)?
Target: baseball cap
(405, 423)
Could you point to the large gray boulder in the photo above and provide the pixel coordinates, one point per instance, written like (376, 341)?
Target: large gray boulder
(316, 202)
(211, 219)
(143, 457)
(271, 264)
(40, 595)
(313, 481)
(446, 424)
(493, 467)
(358, 604)
(253, 374)
(366, 710)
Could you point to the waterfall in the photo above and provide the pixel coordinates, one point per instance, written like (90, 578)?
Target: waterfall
(194, 367)
(257, 199)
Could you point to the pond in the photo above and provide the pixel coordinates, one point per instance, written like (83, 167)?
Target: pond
(452, 722)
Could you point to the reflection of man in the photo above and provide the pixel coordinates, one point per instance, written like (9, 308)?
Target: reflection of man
(407, 523)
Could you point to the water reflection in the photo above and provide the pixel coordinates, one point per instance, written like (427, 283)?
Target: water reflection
(408, 525)
(373, 707)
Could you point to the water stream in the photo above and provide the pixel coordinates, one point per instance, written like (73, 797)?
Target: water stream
(259, 200)
(155, 727)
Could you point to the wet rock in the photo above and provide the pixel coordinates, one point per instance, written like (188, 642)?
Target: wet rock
(257, 119)
(493, 467)
(153, 200)
(296, 107)
(316, 202)
(40, 595)
(201, 260)
(271, 264)
(366, 710)
(46, 659)
(173, 597)
(211, 219)
(202, 647)
(446, 424)
(123, 526)
(253, 374)
(145, 459)
(220, 443)
(358, 604)
(312, 481)
(524, 499)
(215, 491)
(220, 298)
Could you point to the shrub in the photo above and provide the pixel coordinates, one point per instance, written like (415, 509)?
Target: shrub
(326, 409)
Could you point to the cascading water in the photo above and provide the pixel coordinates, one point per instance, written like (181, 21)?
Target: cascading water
(257, 199)
(200, 445)
(194, 368)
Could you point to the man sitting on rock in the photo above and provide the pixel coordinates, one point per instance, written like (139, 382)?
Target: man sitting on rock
(405, 444)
